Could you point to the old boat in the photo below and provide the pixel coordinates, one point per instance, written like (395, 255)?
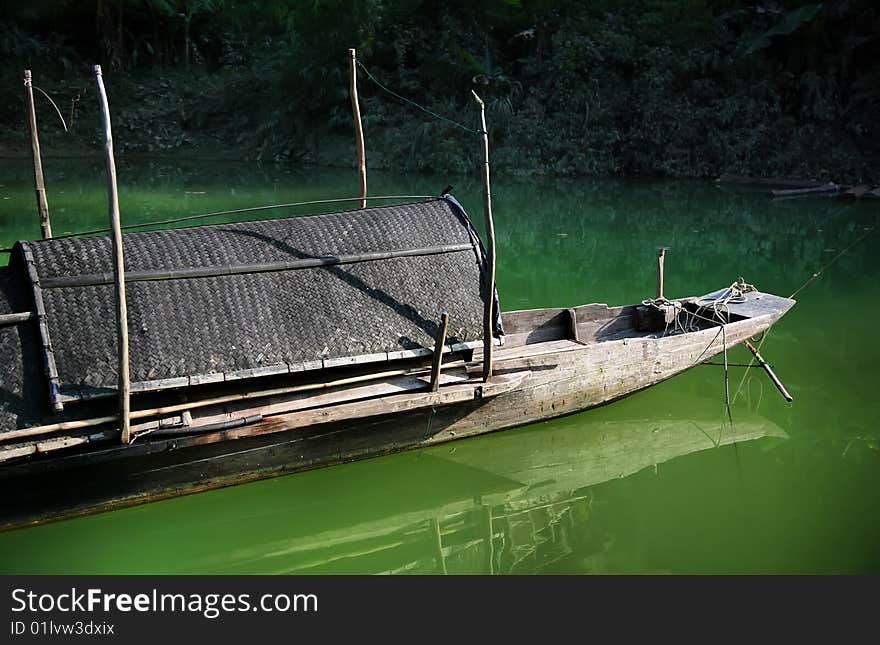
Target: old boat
(266, 347)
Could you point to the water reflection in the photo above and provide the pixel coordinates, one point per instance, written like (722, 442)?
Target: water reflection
(523, 501)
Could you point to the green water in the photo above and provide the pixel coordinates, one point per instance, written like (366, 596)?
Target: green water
(654, 483)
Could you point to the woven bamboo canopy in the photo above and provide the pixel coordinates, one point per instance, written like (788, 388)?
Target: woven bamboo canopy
(227, 301)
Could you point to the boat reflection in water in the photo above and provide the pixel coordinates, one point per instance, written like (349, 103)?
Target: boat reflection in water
(518, 501)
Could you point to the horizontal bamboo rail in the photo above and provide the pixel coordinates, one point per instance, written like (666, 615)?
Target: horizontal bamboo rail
(88, 280)
(15, 319)
(229, 398)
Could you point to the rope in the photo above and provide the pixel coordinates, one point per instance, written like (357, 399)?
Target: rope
(53, 105)
(416, 105)
(794, 293)
(726, 375)
(818, 273)
(734, 294)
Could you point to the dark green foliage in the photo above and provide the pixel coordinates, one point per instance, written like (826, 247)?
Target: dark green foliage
(650, 87)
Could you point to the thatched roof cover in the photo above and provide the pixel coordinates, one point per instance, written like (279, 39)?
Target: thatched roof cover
(268, 316)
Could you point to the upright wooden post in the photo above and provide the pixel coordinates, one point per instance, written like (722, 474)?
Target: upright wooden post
(124, 384)
(488, 320)
(39, 186)
(661, 256)
(359, 129)
(437, 359)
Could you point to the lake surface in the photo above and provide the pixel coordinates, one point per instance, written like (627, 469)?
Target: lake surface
(656, 483)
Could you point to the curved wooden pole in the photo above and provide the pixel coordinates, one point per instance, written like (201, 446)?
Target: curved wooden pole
(39, 185)
(488, 320)
(123, 373)
(359, 129)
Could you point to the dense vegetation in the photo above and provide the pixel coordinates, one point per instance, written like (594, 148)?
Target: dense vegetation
(684, 88)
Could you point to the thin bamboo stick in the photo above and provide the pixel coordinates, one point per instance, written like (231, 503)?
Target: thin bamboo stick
(488, 322)
(359, 129)
(770, 372)
(218, 400)
(17, 318)
(123, 373)
(437, 359)
(39, 185)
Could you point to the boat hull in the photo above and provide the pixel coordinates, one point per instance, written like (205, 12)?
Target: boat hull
(543, 380)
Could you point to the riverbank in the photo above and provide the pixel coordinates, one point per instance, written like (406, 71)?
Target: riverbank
(676, 90)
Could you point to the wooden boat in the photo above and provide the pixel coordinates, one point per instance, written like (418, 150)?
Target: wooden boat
(264, 348)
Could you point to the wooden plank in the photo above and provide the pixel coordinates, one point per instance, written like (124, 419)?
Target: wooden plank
(266, 370)
(530, 320)
(573, 325)
(755, 303)
(354, 360)
(48, 353)
(439, 342)
(396, 404)
(234, 397)
(283, 404)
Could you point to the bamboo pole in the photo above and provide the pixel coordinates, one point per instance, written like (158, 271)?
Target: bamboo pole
(770, 372)
(39, 185)
(359, 129)
(17, 318)
(124, 386)
(80, 424)
(94, 279)
(661, 256)
(488, 321)
(437, 359)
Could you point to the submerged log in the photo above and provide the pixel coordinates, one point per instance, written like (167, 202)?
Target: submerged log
(766, 182)
(830, 187)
